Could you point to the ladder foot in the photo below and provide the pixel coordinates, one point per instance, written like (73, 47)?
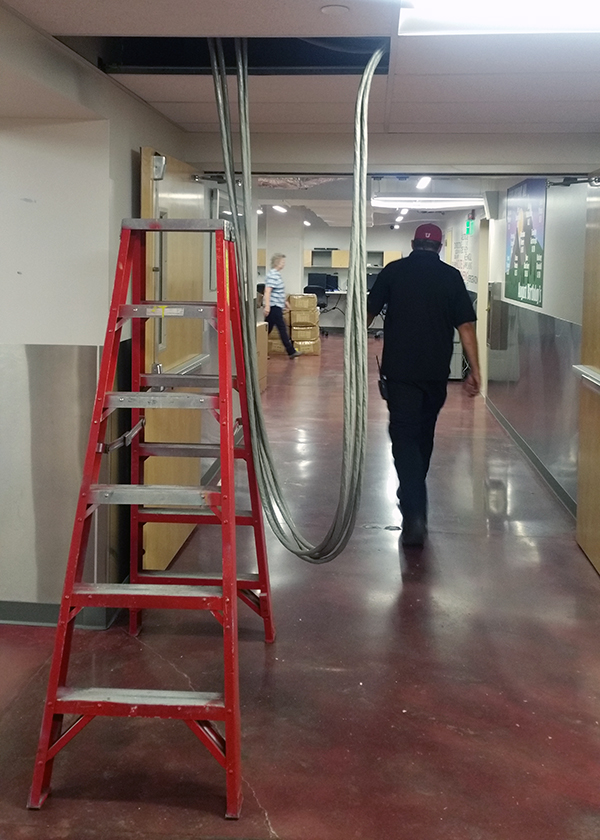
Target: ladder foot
(35, 801)
(135, 622)
(235, 812)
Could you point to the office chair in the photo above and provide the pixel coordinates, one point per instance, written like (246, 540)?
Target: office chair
(319, 291)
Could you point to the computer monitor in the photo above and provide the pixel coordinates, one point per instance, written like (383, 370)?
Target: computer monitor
(317, 279)
(331, 282)
(371, 278)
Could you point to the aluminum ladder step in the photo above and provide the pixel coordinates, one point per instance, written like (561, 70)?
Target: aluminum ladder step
(246, 580)
(169, 309)
(184, 225)
(185, 450)
(147, 596)
(181, 380)
(149, 494)
(159, 399)
(134, 702)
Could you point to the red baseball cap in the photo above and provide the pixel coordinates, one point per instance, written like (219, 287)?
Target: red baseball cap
(431, 232)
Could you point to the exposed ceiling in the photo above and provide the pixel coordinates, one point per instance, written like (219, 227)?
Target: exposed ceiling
(462, 84)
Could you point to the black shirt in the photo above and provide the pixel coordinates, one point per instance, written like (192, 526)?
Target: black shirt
(426, 299)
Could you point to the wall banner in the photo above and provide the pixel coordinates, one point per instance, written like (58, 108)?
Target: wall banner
(525, 221)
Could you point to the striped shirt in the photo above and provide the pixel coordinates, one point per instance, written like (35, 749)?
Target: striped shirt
(275, 283)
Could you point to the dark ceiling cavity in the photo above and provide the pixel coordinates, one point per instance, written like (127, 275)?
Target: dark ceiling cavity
(266, 56)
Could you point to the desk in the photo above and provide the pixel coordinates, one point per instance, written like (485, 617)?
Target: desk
(334, 317)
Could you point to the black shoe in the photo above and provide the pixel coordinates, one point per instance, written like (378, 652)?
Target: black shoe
(414, 531)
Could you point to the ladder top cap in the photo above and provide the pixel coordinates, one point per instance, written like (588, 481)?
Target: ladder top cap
(202, 225)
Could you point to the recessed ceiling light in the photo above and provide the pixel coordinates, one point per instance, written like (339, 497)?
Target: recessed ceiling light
(279, 208)
(227, 212)
(260, 211)
(396, 227)
(425, 181)
(404, 211)
(307, 224)
(335, 10)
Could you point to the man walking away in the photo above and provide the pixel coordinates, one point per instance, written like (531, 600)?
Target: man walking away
(426, 301)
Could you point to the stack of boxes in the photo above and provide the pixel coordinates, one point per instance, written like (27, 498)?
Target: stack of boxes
(302, 319)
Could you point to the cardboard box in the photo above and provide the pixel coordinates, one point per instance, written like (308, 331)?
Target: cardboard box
(275, 345)
(262, 352)
(304, 317)
(286, 317)
(309, 348)
(302, 302)
(305, 333)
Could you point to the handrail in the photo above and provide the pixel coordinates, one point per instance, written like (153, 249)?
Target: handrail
(590, 374)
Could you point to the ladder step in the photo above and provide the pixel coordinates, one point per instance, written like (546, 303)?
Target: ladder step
(242, 517)
(173, 309)
(146, 596)
(202, 225)
(185, 450)
(249, 580)
(135, 702)
(159, 399)
(181, 380)
(149, 494)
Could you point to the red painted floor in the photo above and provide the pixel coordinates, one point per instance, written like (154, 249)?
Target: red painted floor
(445, 694)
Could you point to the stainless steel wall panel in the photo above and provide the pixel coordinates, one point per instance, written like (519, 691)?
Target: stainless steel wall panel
(533, 389)
(48, 393)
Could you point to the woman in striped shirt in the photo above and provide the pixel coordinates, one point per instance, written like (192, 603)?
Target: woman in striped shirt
(275, 303)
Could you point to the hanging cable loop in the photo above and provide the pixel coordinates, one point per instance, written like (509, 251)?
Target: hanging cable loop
(275, 506)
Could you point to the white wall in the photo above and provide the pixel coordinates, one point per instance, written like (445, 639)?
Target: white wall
(465, 247)
(564, 255)
(442, 153)
(54, 260)
(285, 235)
(34, 62)
(564, 252)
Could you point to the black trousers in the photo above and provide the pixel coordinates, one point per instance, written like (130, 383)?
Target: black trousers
(275, 319)
(414, 409)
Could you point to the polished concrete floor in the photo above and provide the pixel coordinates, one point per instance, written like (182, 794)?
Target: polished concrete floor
(451, 693)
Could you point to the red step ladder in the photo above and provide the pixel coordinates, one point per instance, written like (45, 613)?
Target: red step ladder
(210, 504)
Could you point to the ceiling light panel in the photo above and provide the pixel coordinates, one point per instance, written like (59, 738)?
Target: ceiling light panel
(440, 17)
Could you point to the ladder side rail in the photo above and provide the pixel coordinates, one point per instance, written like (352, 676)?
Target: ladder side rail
(265, 610)
(51, 726)
(233, 769)
(138, 368)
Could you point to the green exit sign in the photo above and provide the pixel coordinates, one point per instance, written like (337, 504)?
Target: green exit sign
(470, 228)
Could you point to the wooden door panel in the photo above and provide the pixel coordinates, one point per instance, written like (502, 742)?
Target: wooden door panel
(181, 258)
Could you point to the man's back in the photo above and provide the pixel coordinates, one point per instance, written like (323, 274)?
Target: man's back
(426, 299)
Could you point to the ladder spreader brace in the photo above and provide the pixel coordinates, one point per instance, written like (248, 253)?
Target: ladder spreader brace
(210, 503)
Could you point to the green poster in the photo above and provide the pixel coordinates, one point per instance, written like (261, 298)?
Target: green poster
(525, 221)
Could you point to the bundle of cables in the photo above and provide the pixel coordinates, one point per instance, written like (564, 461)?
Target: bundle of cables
(275, 506)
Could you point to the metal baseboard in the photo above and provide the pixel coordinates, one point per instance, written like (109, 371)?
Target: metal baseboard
(46, 615)
(557, 489)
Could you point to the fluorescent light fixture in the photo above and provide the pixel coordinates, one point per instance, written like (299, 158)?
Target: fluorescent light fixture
(404, 211)
(425, 181)
(429, 203)
(260, 211)
(279, 208)
(399, 219)
(443, 17)
(396, 227)
(227, 212)
(306, 224)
